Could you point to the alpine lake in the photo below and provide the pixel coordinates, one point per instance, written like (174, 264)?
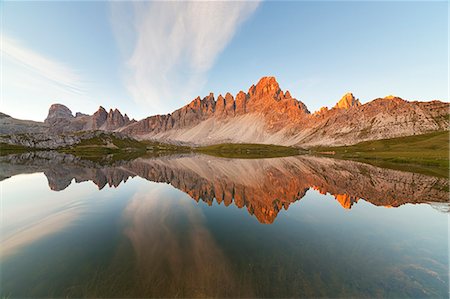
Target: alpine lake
(194, 225)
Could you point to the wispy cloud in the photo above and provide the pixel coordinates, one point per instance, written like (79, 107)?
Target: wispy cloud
(35, 81)
(28, 60)
(173, 46)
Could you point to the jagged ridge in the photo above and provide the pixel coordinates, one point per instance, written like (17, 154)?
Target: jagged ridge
(265, 114)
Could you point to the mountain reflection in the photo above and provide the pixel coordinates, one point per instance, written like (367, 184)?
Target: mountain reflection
(263, 186)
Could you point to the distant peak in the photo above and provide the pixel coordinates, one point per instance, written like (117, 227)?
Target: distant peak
(347, 101)
(228, 97)
(267, 80)
(270, 82)
(265, 86)
(58, 106)
(321, 111)
(58, 111)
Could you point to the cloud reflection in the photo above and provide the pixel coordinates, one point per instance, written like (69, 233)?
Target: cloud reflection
(176, 254)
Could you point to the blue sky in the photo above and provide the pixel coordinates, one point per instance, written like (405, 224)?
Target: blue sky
(153, 57)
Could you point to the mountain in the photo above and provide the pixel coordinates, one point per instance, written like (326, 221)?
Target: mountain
(249, 117)
(348, 101)
(263, 114)
(61, 120)
(266, 114)
(10, 125)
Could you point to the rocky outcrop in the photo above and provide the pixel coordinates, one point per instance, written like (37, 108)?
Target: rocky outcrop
(57, 112)
(10, 125)
(347, 101)
(378, 119)
(59, 118)
(107, 121)
(99, 118)
(274, 184)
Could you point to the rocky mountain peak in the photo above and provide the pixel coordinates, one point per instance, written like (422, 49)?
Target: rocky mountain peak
(229, 97)
(58, 111)
(195, 103)
(321, 111)
(109, 121)
(241, 101)
(99, 117)
(79, 114)
(116, 120)
(266, 86)
(347, 101)
(101, 110)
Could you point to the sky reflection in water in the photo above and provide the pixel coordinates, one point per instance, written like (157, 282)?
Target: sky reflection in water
(261, 228)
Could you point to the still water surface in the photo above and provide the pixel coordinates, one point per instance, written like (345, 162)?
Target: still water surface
(198, 226)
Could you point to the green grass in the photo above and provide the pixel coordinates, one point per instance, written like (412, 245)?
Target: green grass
(6, 149)
(109, 140)
(427, 153)
(155, 146)
(107, 148)
(248, 150)
(99, 147)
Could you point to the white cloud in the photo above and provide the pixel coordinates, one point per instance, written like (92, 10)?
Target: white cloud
(174, 45)
(54, 72)
(31, 82)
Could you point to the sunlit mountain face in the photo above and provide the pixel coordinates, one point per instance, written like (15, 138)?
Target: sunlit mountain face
(299, 226)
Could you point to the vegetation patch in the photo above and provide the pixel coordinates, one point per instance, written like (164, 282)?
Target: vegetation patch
(426, 153)
(7, 149)
(155, 146)
(248, 150)
(108, 148)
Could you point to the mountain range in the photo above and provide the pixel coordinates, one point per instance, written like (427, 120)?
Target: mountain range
(264, 114)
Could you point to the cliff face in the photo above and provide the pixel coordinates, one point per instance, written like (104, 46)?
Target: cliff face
(274, 184)
(266, 114)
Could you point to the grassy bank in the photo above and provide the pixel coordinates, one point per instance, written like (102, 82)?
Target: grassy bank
(110, 148)
(103, 152)
(427, 153)
(6, 149)
(248, 150)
